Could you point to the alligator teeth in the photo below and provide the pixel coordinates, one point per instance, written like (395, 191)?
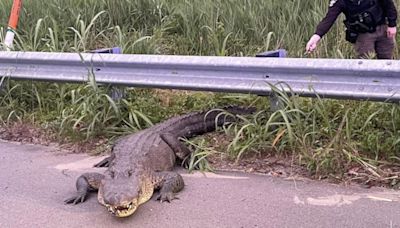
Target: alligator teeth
(111, 210)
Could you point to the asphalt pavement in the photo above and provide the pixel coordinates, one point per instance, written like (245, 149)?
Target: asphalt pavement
(34, 181)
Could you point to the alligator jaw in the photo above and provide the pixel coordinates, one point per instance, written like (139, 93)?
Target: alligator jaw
(122, 211)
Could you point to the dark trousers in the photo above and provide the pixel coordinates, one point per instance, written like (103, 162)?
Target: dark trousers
(376, 42)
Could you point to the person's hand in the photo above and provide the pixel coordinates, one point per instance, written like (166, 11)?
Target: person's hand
(312, 43)
(391, 32)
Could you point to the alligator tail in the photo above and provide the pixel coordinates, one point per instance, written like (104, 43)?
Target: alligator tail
(197, 123)
(207, 121)
(225, 115)
(239, 110)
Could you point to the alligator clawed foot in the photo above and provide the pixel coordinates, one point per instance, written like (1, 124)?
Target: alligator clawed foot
(166, 197)
(79, 198)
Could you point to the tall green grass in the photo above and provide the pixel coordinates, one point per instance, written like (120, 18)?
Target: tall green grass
(327, 136)
(221, 27)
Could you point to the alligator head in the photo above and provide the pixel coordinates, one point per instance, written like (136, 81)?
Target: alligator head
(122, 194)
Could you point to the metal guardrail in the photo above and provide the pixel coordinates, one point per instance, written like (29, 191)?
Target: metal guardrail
(377, 80)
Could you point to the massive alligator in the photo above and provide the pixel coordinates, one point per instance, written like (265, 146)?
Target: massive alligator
(142, 162)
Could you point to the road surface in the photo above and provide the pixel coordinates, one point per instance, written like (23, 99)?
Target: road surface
(34, 181)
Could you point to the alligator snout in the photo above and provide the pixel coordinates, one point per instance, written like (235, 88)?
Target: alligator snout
(122, 210)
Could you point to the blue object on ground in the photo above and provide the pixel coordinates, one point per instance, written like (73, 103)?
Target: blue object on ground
(280, 53)
(114, 50)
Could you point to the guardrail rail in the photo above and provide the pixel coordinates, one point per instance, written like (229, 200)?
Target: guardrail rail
(377, 80)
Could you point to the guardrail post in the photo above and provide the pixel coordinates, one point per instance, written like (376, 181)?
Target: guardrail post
(276, 103)
(117, 92)
(2, 83)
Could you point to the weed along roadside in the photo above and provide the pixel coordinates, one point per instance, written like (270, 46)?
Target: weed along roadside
(337, 140)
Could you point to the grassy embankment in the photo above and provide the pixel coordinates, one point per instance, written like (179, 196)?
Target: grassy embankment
(326, 136)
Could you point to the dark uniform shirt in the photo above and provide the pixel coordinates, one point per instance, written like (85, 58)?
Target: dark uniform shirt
(339, 6)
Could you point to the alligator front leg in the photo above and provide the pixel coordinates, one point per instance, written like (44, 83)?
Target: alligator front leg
(169, 183)
(84, 184)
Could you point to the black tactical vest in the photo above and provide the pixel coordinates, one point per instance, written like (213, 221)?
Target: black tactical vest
(363, 15)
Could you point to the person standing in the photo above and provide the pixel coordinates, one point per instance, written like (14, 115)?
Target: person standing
(370, 26)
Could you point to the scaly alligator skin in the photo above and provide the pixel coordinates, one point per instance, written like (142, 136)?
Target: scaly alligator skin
(142, 162)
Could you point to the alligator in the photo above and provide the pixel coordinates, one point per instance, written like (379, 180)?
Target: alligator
(142, 162)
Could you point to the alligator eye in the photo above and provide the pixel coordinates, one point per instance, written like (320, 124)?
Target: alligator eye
(112, 174)
(130, 173)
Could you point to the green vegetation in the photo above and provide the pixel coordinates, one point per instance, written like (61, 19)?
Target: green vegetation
(326, 136)
(222, 27)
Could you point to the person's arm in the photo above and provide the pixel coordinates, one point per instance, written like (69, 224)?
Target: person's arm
(335, 8)
(391, 13)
